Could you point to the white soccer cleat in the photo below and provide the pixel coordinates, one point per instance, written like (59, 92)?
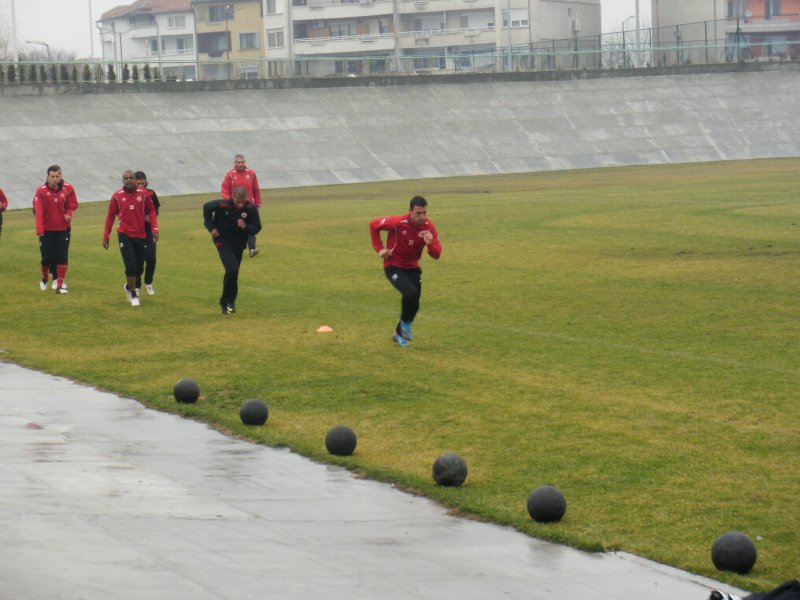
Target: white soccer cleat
(135, 301)
(125, 289)
(43, 285)
(55, 284)
(150, 290)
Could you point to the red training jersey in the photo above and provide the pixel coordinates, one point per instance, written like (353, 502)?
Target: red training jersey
(3, 201)
(403, 241)
(132, 208)
(51, 206)
(246, 179)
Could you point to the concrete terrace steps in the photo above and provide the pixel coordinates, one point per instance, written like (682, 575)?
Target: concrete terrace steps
(299, 133)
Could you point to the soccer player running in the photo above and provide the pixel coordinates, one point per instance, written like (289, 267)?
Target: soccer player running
(230, 222)
(241, 176)
(408, 235)
(150, 250)
(132, 205)
(53, 206)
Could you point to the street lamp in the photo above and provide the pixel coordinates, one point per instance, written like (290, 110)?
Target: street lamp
(45, 44)
(91, 33)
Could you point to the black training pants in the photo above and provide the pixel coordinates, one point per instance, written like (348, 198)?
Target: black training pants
(409, 283)
(231, 257)
(54, 247)
(132, 250)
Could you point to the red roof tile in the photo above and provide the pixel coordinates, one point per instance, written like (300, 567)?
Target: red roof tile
(151, 6)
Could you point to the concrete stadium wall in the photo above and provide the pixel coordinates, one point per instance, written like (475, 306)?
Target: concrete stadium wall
(300, 133)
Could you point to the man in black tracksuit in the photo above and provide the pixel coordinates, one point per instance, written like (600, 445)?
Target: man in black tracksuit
(230, 222)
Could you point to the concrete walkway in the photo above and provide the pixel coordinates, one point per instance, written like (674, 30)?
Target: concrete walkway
(103, 499)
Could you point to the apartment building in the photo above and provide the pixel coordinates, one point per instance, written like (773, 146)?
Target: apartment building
(240, 39)
(352, 37)
(230, 38)
(757, 29)
(159, 33)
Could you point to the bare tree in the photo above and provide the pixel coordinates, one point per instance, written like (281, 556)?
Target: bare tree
(622, 49)
(6, 48)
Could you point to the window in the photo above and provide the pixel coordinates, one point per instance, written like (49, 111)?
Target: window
(430, 62)
(152, 45)
(177, 22)
(272, 7)
(214, 43)
(185, 45)
(217, 14)
(275, 38)
(342, 29)
(519, 17)
(772, 8)
(736, 8)
(141, 20)
(249, 71)
(248, 41)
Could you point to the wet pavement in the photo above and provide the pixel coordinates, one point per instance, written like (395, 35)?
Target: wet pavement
(101, 498)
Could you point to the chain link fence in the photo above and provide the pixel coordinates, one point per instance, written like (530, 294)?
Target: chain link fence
(707, 42)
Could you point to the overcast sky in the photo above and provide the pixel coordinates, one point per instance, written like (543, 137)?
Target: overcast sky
(67, 25)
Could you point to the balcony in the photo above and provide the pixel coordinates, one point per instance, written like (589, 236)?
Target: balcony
(337, 9)
(418, 6)
(373, 42)
(757, 25)
(469, 36)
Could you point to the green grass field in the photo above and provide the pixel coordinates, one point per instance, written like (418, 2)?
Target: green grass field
(628, 335)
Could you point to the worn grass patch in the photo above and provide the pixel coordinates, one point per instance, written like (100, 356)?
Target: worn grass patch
(628, 335)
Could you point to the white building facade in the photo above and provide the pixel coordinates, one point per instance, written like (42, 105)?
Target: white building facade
(158, 33)
(353, 37)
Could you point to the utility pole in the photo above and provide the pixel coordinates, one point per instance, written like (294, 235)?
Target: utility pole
(14, 31)
(509, 36)
(91, 32)
(637, 62)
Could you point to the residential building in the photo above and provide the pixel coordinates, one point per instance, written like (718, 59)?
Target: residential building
(352, 37)
(739, 29)
(159, 33)
(230, 38)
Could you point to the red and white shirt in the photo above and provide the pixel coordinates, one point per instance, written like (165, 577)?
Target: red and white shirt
(246, 179)
(131, 208)
(403, 241)
(51, 206)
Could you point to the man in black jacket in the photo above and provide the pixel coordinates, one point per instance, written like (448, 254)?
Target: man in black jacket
(230, 222)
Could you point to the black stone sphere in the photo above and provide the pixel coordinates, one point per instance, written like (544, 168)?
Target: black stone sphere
(546, 504)
(449, 470)
(186, 390)
(254, 412)
(341, 441)
(734, 551)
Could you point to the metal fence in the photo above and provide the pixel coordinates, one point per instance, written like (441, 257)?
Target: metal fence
(707, 42)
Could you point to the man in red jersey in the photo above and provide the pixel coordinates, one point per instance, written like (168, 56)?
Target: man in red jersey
(150, 254)
(3, 207)
(408, 236)
(241, 176)
(131, 205)
(53, 205)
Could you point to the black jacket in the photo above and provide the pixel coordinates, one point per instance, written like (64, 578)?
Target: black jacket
(223, 215)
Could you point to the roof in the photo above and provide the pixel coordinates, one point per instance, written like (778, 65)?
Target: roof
(150, 6)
